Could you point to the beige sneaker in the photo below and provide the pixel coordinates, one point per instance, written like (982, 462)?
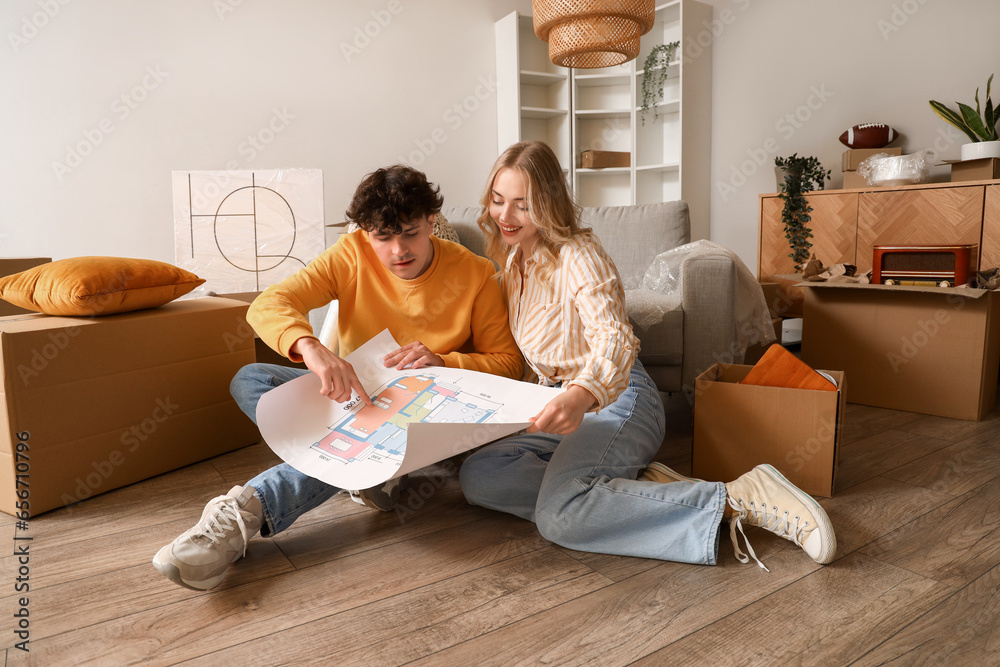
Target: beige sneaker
(199, 557)
(763, 497)
(383, 497)
(657, 472)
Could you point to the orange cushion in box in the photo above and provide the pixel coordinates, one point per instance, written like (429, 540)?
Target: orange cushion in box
(780, 368)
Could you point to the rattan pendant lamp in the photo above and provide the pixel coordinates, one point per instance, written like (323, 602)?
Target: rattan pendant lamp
(592, 33)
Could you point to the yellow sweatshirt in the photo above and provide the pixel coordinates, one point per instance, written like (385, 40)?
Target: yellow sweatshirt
(455, 308)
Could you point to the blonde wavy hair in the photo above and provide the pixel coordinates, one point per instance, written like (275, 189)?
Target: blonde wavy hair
(550, 205)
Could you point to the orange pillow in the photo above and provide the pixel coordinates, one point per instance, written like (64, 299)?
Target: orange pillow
(97, 285)
(780, 368)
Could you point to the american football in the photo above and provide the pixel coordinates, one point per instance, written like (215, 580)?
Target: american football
(869, 135)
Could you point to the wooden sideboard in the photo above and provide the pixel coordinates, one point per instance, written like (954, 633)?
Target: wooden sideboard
(847, 224)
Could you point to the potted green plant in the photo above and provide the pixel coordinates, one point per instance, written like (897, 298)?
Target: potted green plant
(979, 125)
(802, 174)
(654, 73)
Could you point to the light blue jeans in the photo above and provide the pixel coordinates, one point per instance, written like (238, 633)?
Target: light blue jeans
(581, 489)
(284, 493)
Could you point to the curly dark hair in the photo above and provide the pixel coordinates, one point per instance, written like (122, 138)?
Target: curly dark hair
(390, 197)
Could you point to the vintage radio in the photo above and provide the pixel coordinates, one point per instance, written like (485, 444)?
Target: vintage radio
(943, 265)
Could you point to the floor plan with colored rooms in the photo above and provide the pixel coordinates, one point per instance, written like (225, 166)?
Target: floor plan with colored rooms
(379, 431)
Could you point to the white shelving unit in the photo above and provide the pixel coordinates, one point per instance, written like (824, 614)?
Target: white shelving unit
(533, 95)
(599, 109)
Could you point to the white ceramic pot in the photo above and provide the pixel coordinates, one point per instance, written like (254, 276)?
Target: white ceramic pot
(980, 149)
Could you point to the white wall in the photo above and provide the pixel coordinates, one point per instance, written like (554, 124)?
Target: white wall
(200, 78)
(220, 69)
(828, 66)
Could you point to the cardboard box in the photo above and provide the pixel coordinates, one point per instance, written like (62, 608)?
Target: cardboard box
(604, 159)
(853, 179)
(8, 267)
(245, 297)
(852, 157)
(102, 402)
(788, 302)
(739, 426)
(983, 169)
(933, 350)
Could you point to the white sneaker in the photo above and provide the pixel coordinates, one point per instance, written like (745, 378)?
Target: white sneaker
(657, 472)
(199, 557)
(763, 497)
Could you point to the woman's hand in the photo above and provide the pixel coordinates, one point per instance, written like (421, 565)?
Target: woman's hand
(414, 355)
(564, 413)
(338, 376)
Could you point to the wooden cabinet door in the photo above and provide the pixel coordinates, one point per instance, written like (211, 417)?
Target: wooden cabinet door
(946, 216)
(834, 230)
(990, 249)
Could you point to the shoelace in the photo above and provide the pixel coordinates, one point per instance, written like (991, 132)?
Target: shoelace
(777, 523)
(224, 512)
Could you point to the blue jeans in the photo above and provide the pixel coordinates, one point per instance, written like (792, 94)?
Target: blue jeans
(284, 493)
(581, 489)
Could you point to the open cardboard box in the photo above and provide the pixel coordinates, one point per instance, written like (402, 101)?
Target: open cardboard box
(739, 426)
(90, 404)
(981, 169)
(933, 350)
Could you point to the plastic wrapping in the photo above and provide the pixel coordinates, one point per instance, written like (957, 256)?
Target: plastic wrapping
(665, 276)
(244, 230)
(883, 169)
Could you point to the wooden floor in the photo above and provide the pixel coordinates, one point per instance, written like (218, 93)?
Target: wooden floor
(916, 580)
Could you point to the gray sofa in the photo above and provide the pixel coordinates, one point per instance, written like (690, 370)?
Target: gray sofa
(697, 327)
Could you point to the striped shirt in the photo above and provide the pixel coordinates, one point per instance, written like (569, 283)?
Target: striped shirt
(573, 328)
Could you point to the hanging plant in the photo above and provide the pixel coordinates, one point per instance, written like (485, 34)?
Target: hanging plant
(654, 74)
(802, 174)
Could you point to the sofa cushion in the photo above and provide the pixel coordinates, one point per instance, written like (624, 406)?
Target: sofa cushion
(463, 219)
(658, 321)
(634, 235)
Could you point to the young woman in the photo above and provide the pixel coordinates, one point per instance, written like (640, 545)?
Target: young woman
(574, 470)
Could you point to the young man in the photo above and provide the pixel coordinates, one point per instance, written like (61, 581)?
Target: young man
(440, 301)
